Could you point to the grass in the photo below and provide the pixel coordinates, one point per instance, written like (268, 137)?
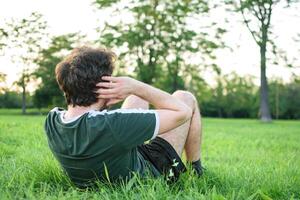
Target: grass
(245, 159)
(29, 111)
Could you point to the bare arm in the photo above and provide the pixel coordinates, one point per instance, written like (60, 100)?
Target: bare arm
(172, 112)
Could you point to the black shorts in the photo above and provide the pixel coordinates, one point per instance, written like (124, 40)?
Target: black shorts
(164, 158)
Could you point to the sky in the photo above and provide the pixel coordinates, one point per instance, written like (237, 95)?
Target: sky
(66, 16)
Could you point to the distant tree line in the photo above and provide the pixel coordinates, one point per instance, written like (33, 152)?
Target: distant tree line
(13, 99)
(238, 97)
(232, 97)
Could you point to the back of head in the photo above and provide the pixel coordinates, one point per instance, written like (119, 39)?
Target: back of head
(78, 74)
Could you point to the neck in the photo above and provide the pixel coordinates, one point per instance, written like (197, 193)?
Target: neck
(74, 111)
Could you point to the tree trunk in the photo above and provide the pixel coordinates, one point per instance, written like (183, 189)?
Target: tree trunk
(264, 100)
(150, 73)
(23, 99)
(174, 84)
(277, 100)
(175, 75)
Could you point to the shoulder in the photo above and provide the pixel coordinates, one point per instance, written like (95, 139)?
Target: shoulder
(126, 116)
(120, 111)
(123, 115)
(54, 112)
(50, 120)
(53, 116)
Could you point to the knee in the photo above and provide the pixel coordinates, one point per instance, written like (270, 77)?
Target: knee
(187, 97)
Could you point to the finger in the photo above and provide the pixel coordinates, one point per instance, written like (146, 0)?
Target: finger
(107, 91)
(106, 84)
(107, 96)
(110, 78)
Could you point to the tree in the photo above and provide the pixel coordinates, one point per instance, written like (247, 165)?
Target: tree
(158, 42)
(258, 13)
(25, 37)
(3, 37)
(48, 92)
(2, 80)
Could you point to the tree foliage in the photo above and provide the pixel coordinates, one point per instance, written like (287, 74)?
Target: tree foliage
(284, 99)
(234, 96)
(48, 92)
(237, 97)
(3, 37)
(2, 82)
(157, 42)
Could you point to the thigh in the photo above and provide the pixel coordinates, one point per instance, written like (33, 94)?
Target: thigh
(177, 137)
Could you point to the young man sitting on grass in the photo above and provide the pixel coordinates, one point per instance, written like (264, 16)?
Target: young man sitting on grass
(92, 143)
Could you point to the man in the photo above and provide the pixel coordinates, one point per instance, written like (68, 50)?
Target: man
(93, 144)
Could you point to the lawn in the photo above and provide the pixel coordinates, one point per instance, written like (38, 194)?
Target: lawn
(245, 159)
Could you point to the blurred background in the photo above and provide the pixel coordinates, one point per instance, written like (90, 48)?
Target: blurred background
(239, 57)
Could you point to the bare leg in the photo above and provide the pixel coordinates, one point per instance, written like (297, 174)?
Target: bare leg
(194, 139)
(186, 136)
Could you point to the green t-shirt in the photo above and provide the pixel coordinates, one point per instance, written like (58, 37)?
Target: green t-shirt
(98, 143)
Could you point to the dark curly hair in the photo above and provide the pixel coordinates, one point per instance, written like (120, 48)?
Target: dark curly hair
(78, 74)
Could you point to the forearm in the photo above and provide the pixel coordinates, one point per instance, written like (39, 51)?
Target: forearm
(160, 99)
